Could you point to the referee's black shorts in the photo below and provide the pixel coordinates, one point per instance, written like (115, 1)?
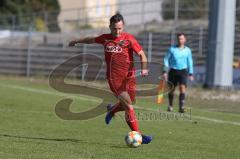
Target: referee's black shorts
(178, 77)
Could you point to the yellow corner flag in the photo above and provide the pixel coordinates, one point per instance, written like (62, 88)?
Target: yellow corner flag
(160, 95)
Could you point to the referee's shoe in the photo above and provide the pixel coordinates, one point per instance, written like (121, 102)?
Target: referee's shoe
(181, 110)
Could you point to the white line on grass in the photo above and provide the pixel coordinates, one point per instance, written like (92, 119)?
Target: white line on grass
(22, 111)
(217, 120)
(95, 100)
(82, 97)
(199, 117)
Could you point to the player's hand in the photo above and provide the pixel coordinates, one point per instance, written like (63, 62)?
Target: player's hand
(72, 43)
(144, 72)
(191, 78)
(165, 76)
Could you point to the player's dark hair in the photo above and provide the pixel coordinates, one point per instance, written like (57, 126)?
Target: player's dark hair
(116, 18)
(178, 35)
(181, 34)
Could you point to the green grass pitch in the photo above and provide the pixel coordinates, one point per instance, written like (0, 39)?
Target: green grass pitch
(30, 129)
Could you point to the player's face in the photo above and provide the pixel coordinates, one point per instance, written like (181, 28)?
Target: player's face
(181, 40)
(117, 28)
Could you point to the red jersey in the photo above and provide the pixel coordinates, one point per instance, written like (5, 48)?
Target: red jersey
(119, 53)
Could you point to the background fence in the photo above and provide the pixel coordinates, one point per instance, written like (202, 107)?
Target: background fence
(27, 52)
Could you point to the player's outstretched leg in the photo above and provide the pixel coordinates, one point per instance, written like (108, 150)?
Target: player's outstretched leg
(133, 124)
(131, 118)
(111, 110)
(109, 115)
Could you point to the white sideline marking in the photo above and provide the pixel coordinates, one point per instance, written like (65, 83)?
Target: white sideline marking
(22, 111)
(217, 120)
(82, 97)
(200, 117)
(95, 100)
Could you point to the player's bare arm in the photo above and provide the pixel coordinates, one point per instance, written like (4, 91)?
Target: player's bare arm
(144, 62)
(87, 40)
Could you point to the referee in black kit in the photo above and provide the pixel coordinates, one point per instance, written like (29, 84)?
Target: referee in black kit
(179, 65)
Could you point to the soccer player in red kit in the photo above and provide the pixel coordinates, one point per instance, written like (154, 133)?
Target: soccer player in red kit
(119, 47)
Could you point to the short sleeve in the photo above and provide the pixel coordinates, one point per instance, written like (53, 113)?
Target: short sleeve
(100, 39)
(135, 45)
(190, 62)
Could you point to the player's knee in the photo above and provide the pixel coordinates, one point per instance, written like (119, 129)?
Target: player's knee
(124, 97)
(182, 88)
(129, 107)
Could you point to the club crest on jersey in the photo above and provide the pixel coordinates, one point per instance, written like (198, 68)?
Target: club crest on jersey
(125, 43)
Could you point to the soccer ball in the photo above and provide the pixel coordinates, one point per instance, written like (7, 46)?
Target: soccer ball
(133, 139)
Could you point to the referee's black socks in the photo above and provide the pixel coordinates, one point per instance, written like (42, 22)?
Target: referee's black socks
(170, 99)
(181, 100)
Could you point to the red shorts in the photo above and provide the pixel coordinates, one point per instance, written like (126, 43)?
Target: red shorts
(123, 84)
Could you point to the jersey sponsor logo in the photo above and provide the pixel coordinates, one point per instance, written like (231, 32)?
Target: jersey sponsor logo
(113, 49)
(116, 47)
